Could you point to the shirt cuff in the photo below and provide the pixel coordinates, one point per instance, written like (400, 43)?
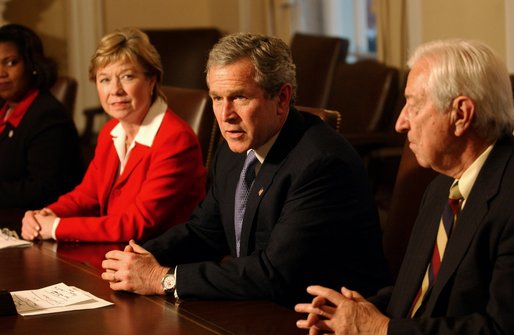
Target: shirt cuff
(176, 291)
(54, 227)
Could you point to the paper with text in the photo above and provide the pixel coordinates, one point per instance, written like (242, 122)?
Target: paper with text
(8, 241)
(55, 298)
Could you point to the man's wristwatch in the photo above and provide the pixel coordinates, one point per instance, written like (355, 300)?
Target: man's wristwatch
(168, 283)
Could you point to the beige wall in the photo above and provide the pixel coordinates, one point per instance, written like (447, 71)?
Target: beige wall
(48, 19)
(172, 14)
(479, 19)
(476, 19)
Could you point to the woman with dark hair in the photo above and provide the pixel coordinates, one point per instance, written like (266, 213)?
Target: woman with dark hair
(40, 157)
(147, 173)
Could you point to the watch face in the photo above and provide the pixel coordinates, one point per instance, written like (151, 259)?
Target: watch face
(168, 282)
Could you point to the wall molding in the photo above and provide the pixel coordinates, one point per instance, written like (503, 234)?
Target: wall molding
(85, 28)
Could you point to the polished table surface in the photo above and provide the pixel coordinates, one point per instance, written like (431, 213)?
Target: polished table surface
(48, 263)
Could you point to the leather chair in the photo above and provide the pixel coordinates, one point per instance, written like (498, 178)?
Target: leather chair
(332, 118)
(365, 93)
(195, 107)
(411, 182)
(184, 54)
(316, 58)
(65, 90)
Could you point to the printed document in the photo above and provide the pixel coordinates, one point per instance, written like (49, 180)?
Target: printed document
(55, 298)
(9, 239)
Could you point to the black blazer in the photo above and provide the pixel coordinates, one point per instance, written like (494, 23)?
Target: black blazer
(41, 158)
(310, 219)
(474, 291)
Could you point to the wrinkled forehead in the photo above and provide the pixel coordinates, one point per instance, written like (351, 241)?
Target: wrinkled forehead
(417, 80)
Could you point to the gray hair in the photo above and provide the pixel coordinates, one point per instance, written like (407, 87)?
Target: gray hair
(469, 68)
(270, 56)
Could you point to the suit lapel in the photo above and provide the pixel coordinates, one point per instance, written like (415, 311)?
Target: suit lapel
(136, 155)
(111, 170)
(5, 133)
(289, 136)
(258, 191)
(476, 208)
(231, 172)
(420, 250)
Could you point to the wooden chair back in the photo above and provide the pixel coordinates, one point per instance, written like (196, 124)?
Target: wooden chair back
(316, 57)
(195, 107)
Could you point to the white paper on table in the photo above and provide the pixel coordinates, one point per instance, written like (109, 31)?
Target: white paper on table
(7, 241)
(55, 298)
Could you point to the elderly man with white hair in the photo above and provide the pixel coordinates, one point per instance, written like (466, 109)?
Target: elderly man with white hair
(458, 273)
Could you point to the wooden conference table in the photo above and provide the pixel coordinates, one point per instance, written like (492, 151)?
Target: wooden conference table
(48, 263)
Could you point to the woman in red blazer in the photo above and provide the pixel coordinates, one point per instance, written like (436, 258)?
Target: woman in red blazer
(147, 172)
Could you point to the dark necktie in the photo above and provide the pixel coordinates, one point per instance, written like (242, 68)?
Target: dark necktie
(447, 222)
(243, 189)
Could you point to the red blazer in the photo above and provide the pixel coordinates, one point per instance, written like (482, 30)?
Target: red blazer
(159, 187)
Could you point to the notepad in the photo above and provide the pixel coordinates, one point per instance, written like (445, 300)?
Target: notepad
(55, 298)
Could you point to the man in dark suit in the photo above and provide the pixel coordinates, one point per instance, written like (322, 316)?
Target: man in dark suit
(459, 117)
(309, 215)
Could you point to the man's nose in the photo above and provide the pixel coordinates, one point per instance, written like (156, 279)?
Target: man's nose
(402, 123)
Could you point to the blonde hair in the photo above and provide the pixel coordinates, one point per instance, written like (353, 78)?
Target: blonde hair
(128, 44)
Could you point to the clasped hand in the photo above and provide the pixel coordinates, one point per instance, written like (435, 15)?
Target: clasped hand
(331, 312)
(134, 269)
(37, 224)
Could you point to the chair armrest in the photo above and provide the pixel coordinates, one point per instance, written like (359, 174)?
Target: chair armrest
(90, 115)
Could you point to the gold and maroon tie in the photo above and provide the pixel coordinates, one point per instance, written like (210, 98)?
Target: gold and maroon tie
(446, 224)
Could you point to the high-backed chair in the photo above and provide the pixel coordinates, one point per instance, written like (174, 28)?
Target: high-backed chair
(411, 182)
(195, 107)
(332, 118)
(183, 54)
(316, 57)
(364, 92)
(65, 90)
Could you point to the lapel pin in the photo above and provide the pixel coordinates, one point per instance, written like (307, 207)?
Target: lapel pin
(11, 133)
(261, 191)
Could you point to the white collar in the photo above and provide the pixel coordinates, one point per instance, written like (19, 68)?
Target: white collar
(148, 128)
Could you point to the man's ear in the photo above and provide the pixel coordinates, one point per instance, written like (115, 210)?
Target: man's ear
(284, 97)
(462, 114)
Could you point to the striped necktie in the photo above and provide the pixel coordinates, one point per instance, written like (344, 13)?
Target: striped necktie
(447, 222)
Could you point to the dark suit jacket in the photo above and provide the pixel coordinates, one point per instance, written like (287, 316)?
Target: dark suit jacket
(474, 291)
(310, 219)
(42, 158)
